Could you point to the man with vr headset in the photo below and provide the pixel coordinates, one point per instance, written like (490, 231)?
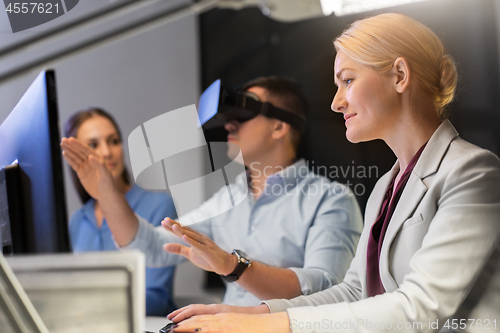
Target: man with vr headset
(294, 234)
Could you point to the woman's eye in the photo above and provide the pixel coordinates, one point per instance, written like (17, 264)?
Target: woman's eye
(114, 142)
(347, 81)
(92, 145)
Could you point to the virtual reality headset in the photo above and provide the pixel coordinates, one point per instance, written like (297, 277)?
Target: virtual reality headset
(218, 105)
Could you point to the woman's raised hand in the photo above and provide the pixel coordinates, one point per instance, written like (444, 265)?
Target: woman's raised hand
(93, 174)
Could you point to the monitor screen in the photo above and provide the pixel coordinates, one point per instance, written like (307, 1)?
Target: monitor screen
(209, 102)
(29, 137)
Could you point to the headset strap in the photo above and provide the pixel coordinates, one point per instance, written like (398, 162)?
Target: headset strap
(269, 110)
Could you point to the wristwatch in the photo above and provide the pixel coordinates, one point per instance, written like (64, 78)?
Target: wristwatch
(243, 263)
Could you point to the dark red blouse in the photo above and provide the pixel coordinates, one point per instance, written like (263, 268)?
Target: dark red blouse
(373, 282)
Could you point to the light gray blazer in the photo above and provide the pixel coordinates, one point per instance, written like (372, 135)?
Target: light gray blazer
(440, 258)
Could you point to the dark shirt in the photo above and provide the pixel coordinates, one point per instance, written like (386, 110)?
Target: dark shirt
(373, 282)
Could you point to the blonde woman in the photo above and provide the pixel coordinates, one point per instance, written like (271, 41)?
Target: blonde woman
(429, 255)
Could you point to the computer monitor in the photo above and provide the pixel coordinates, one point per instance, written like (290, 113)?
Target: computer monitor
(92, 292)
(32, 202)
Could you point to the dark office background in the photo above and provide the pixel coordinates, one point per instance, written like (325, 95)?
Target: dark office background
(240, 45)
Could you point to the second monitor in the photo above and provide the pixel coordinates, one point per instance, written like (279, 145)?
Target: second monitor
(32, 201)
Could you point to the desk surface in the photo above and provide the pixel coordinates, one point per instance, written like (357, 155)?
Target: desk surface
(154, 324)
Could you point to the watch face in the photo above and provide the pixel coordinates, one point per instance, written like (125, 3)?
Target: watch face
(242, 256)
(243, 263)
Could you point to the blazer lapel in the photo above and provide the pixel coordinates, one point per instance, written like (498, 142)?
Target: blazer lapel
(413, 193)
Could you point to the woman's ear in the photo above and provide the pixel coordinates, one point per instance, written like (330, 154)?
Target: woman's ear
(402, 71)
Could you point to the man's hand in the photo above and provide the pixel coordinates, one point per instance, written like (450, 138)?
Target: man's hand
(93, 174)
(263, 281)
(202, 251)
(199, 309)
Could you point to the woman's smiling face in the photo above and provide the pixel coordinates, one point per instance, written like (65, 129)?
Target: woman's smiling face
(367, 99)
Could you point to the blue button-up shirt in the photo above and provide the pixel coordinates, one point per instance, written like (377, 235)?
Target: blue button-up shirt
(87, 236)
(301, 221)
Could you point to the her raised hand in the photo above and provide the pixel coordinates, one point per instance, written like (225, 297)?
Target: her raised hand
(91, 170)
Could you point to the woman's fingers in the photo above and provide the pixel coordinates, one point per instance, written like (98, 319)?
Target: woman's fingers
(94, 161)
(72, 161)
(75, 157)
(83, 150)
(191, 310)
(221, 323)
(78, 146)
(78, 150)
(176, 312)
(71, 145)
(196, 324)
(236, 323)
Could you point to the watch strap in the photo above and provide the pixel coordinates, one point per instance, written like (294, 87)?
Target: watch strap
(235, 275)
(241, 266)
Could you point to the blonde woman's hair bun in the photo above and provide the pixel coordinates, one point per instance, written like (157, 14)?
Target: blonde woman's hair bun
(447, 82)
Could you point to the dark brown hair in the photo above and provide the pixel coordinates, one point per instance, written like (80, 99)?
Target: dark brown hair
(291, 96)
(70, 130)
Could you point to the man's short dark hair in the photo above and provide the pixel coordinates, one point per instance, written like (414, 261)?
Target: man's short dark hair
(291, 96)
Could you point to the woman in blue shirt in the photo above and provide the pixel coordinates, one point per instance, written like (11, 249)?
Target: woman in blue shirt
(88, 228)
